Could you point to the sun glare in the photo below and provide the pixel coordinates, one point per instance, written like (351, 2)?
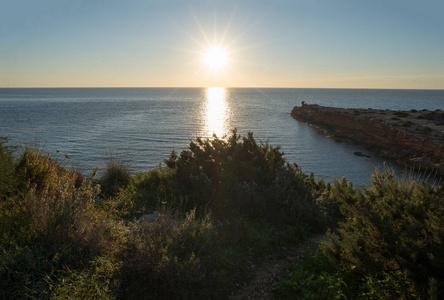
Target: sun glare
(216, 111)
(216, 57)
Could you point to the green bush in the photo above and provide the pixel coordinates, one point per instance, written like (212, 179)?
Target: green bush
(217, 168)
(8, 178)
(48, 206)
(406, 124)
(49, 228)
(234, 175)
(59, 240)
(392, 232)
(401, 114)
(191, 257)
(153, 187)
(31, 273)
(168, 259)
(145, 193)
(98, 280)
(116, 176)
(428, 115)
(317, 278)
(38, 171)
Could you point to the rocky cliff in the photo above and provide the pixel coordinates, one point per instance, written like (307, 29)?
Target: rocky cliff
(411, 138)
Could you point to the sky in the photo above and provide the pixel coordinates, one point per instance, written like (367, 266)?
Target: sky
(276, 43)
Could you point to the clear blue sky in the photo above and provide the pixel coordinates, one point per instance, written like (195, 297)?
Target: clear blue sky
(279, 43)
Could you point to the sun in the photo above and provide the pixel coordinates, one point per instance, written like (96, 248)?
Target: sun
(216, 57)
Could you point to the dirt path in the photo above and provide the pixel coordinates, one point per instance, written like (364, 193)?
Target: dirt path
(269, 275)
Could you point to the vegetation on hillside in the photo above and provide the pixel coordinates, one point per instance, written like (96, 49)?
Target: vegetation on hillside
(389, 245)
(191, 228)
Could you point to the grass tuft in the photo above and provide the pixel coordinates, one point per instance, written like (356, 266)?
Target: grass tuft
(116, 176)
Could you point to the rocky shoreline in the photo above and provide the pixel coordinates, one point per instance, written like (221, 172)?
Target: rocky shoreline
(414, 139)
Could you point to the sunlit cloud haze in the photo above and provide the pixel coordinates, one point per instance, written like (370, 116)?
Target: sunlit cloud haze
(283, 43)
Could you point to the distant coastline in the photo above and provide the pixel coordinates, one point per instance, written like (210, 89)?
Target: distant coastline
(412, 138)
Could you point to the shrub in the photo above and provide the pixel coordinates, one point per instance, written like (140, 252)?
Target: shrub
(116, 176)
(8, 179)
(401, 114)
(406, 124)
(58, 241)
(98, 280)
(49, 228)
(427, 115)
(238, 175)
(62, 216)
(39, 172)
(23, 271)
(393, 232)
(152, 187)
(165, 258)
(317, 278)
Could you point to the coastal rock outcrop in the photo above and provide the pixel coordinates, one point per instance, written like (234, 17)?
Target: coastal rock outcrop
(412, 138)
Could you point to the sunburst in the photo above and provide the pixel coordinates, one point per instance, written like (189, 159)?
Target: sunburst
(216, 57)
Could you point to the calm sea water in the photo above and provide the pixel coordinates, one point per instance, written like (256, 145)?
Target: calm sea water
(143, 125)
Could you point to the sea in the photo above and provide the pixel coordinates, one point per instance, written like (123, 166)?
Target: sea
(142, 126)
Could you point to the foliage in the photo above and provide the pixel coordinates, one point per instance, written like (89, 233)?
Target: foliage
(53, 220)
(401, 114)
(98, 280)
(233, 175)
(116, 176)
(59, 240)
(393, 232)
(407, 124)
(7, 168)
(48, 228)
(316, 278)
(166, 259)
(153, 187)
(146, 192)
(30, 272)
(37, 171)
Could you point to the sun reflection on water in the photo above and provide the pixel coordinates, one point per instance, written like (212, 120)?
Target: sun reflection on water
(217, 111)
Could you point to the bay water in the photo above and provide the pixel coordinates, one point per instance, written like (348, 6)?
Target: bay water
(143, 125)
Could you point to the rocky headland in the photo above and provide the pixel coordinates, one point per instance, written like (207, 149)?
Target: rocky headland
(411, 138)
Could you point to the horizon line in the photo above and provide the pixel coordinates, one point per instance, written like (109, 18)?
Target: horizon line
(204, 87)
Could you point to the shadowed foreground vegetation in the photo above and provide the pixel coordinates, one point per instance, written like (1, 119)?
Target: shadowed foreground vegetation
(190, 229)
(387, 245)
